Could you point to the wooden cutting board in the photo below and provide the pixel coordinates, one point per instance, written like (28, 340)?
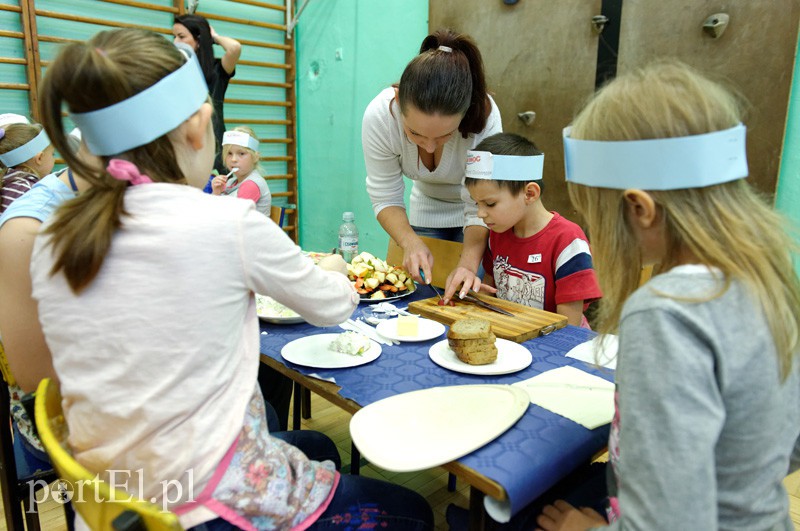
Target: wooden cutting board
(527, 322)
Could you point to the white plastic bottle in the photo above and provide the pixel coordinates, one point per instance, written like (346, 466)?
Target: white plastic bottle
(348, 237)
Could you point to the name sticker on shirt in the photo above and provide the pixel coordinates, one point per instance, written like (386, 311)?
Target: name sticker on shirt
(534, 258)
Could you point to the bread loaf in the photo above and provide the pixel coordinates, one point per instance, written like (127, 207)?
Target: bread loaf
(469, 329)
(473, 341)
(483, 356)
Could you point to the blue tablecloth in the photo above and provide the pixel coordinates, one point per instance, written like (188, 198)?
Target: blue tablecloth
(534, 454)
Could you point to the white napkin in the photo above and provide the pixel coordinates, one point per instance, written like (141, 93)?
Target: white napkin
(574, 394)
(587, 351)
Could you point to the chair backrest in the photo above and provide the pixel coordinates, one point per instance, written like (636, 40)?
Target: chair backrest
(276, 215)
(445, 257)
(99, 504)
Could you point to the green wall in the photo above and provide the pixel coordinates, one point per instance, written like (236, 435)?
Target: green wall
(788, 197)
(376, 38)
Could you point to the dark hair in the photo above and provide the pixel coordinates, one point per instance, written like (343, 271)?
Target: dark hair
(86, 76)
(201, 31)
(508, 144)
(447, 82)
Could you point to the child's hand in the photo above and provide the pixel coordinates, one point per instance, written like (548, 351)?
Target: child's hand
(562, 516)
(218, 184)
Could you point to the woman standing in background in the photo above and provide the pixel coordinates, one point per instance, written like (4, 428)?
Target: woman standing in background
(422, 129)
(195, 31)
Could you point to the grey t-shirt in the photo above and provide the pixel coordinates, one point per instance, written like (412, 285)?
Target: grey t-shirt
(705, 428)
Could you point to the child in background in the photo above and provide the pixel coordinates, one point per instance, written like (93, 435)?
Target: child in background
(534, 257)
(25, 157)
(240, 150)
(116, 258)
(708, 380)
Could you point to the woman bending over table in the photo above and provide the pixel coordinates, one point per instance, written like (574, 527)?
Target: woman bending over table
(158, 367)
(422, 128)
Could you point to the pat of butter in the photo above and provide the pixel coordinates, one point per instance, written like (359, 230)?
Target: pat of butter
(408, 325)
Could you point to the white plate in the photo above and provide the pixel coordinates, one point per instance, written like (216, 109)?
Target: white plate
(427, 329)
(314, 351)
(511, 357)
(427, 428)
(271, 311)
(392, 297)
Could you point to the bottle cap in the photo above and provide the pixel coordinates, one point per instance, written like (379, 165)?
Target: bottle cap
(348, 216)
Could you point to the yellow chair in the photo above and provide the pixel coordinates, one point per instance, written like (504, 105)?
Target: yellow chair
(445, 257)
(117, 509)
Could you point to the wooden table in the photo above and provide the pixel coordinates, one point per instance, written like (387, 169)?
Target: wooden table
(479, 484)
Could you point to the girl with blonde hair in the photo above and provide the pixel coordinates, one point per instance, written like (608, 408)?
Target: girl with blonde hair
(708, 381)
(245, 180)
(157, 368)
(25, 157)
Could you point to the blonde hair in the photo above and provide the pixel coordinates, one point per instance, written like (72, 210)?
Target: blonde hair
(110, 67)
(255, 154)
(727, 226)
(17, 135)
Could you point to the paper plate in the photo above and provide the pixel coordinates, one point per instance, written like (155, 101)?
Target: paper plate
(271, 311)
(426, 330)
(314, 351)
(423, 429)
(511, 357)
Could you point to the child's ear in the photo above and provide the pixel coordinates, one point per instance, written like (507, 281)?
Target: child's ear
(197, 126)
(642, 208)
(532, 192)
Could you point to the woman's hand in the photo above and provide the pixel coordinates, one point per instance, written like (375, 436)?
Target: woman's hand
(562, 516)
(218, 184)
(416, 257)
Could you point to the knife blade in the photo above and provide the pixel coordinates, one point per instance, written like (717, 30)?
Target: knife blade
(479, 302)
(436, 291)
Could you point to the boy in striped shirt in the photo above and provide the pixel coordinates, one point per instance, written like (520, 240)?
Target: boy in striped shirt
(534, 257)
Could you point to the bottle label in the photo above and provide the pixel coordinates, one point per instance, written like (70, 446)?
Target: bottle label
(348, 243)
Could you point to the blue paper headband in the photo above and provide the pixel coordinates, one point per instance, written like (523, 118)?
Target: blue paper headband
(151, 113)
(26, 151)
(693, 161)
(486, 165)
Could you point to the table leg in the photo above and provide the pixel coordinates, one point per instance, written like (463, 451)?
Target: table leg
(477, 514)
(355, 460)
(297, 395)
(306, 403)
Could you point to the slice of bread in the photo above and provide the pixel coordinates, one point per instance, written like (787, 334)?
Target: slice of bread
(483, 356)
(470, 329)
(472, 343)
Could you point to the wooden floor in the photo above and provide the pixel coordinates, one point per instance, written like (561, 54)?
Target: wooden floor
(432, 484)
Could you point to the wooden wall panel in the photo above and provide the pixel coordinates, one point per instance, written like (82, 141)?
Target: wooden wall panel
(755, 55)
(539, 56)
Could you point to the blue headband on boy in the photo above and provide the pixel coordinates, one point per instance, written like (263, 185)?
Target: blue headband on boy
(26, 151)
(486, 165)
(693, 161)
(151, 113)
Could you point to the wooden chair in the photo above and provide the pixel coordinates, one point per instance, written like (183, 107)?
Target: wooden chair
(281, 215)
(100, 506)
(22, 475)
(445, 257)
(302, 406)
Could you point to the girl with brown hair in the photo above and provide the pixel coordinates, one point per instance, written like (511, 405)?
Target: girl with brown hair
(157, 367)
